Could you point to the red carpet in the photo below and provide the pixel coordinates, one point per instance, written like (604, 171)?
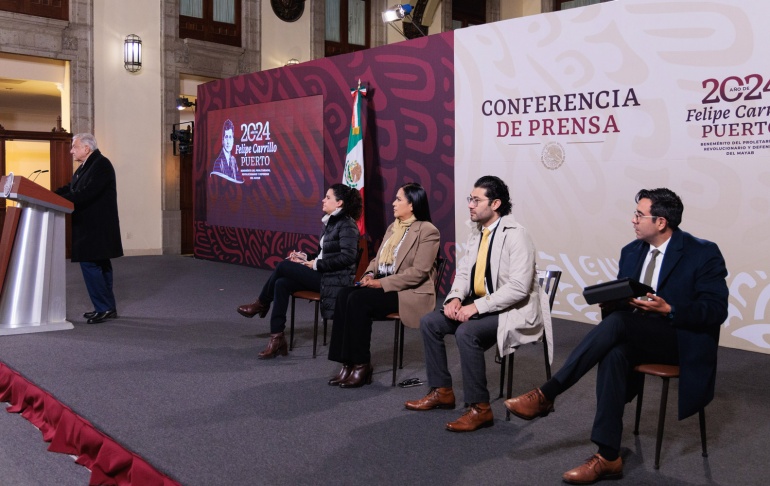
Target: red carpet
(109, 462)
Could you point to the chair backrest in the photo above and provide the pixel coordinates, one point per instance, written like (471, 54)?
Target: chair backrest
(549, 280)
(359, 271)
(440, 267)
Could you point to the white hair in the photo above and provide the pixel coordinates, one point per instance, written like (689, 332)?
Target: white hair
(86, 139)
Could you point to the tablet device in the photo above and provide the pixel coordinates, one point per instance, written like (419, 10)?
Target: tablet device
(620, 289)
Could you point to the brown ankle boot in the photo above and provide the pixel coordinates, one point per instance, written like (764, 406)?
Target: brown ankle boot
(276, 346)
(342, 375)
(251, 310)
(360, 375)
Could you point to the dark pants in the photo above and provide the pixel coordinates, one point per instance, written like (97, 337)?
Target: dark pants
(352, 329)
(98, 278)
(287, 278)
(473, 338)
(620, 342)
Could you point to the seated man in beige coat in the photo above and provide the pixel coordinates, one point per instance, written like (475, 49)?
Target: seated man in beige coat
(495, 297)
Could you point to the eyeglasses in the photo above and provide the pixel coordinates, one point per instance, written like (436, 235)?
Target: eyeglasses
(638, 216)
(474, 201)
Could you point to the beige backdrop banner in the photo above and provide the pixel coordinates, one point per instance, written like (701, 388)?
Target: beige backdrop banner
(578, 110)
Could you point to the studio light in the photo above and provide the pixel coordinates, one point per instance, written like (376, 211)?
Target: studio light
(400, 12)
(132, 53)
(182, 103)
(396, 12)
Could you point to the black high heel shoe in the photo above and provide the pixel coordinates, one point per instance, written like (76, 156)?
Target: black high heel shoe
(360, 375)
(342, 375)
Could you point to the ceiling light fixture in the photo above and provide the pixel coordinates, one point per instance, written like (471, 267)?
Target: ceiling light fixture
(132, 53)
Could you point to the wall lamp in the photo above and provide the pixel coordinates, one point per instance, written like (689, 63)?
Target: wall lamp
(400, 12)
(132, 53)
(182, 103)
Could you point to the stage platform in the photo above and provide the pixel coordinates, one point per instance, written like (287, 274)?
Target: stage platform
(176, 380)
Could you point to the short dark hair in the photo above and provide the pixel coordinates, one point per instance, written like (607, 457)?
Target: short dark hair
(227, 126)
(665, 204)
(495, 188)
(418, 198)
(352, 204)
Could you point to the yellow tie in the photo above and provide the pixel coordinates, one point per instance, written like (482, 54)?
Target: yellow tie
(481, 265)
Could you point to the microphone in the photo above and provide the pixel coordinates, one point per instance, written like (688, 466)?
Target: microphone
(33, 173)
(38, 174)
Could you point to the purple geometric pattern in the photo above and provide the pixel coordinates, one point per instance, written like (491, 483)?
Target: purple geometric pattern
(408, 123)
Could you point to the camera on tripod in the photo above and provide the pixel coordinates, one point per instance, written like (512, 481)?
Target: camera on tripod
(182, 138)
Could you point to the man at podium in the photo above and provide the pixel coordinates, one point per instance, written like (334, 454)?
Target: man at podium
(95, 224)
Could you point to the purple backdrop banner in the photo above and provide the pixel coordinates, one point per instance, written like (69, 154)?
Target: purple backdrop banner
(408, 122)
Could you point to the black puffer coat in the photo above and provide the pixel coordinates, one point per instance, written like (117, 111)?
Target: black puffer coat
(338, 265)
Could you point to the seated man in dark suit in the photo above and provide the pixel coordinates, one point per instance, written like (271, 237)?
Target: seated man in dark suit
(678, 325)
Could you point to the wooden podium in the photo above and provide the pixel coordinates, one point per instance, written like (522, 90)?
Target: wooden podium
(32, 257)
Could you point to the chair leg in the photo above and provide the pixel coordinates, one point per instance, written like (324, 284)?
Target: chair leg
(315, 329)
(639, 399)
(702, 420)
(509, 389)
(661, 421)
(401, 346)
(547, 363)
(396, 333)
(502, 377)
(291, 328)
(325, 322)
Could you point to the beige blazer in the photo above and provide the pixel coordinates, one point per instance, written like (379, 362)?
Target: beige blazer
(517, 298)
(415, 274)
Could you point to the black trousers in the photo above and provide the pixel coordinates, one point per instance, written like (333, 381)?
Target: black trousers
(287, 278)
(620, 342)
(352, 329)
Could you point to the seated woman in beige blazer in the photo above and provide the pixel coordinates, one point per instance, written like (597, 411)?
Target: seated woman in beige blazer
(399, 279)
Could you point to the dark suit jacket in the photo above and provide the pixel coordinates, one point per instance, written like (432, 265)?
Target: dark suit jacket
(95, 223)
(692, 280)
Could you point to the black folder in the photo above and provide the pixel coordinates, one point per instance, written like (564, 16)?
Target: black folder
(620, 289)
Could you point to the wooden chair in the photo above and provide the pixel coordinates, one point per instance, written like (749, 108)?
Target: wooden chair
(315, 297)
(398, 337)
(549, 280)
(665, 372)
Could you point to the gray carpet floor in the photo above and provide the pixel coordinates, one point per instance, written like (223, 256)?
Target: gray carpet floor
(176, 379)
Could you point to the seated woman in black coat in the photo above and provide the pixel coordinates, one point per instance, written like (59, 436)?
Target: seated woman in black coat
(332, 269)
(399, 279)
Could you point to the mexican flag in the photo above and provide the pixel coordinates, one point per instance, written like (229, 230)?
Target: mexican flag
(353, 175)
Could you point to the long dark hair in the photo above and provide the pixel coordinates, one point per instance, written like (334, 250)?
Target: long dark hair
(352, 204)
(418, 198)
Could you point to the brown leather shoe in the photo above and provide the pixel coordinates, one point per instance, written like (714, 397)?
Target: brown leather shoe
(342, 375)
(436, 398)
(530, 405)
(276, 346)
(251, 310)
(479, 415)
(595, 469)
(360, 375)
